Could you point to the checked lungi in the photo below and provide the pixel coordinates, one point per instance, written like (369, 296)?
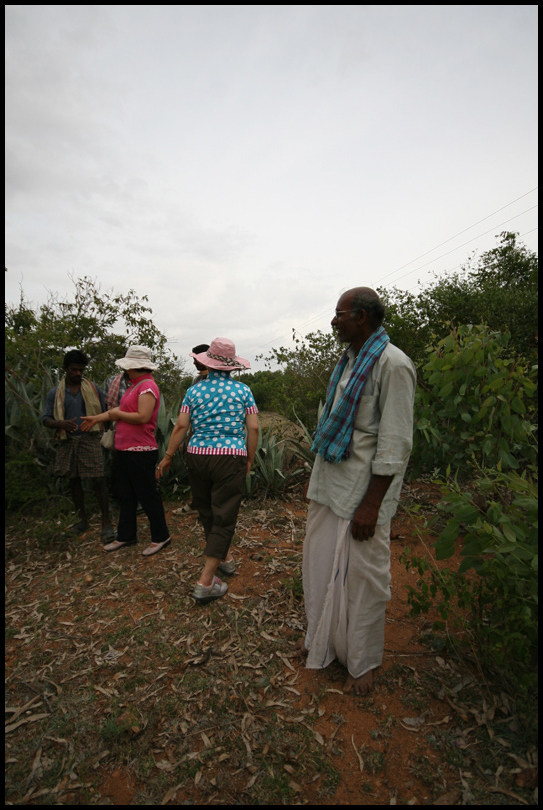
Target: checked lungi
(80, 457)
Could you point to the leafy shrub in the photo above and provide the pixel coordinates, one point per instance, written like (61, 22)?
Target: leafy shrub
(23, 405)
(498, 288)
(27, 484)
(475, 405)
(493, 594)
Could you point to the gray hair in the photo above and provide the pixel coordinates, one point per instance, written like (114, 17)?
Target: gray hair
(369, 301)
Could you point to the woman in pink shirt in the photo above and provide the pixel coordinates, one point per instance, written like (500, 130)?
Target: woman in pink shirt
(136, 451)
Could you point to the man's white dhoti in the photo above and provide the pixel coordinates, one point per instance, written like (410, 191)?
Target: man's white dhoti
(346, 587)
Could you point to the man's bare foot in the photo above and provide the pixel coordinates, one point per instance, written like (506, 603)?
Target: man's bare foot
(360, 686)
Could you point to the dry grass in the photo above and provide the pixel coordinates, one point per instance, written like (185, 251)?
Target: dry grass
(120, 690)
(110, 662)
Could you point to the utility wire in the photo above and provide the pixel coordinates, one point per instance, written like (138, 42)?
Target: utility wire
(422, 255)
(409, 272)
(463, 231)
(459, 266)
(460, 246)
(316, 317)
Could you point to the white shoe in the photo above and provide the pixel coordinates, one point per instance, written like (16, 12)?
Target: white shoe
(207, 593)
(227, 567)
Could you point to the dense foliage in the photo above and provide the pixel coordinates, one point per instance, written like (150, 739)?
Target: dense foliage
(102, 324)
(498, 288)
(492, 597)
(476, 404)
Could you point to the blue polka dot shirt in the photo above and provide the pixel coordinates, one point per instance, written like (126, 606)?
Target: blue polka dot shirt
(217, 406)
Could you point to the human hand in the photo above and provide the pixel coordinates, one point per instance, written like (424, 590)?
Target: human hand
(69, 425)
(162, 467)
(365, 518)
(364, 522)
(88, 422)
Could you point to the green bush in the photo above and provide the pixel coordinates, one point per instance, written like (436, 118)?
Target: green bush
(493, 595)
(29, 447)
(30, 488)
(498, 288)
(476, 421)
(26, 483)
(475, 404)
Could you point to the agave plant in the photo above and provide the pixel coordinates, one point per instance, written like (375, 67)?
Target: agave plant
(302, 449)
(166, 419)
(272, 471)
(29, 446)
(23, 408)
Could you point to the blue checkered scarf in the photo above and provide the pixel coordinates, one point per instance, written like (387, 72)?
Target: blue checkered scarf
(334, 432)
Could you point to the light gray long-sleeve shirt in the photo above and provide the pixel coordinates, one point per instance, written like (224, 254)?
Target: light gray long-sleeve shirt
(382, 438)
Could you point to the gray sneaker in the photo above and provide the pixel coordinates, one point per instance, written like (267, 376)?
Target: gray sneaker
(227, 567)
(204, 594)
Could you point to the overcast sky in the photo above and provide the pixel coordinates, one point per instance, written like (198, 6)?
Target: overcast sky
(243, 165)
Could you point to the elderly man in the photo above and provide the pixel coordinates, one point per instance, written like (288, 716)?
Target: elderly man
(362, 445)
(79, 456)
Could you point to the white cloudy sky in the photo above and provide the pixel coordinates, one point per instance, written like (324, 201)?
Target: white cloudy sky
(243, 165)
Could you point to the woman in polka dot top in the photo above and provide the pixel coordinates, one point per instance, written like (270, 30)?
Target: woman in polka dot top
(222, 414)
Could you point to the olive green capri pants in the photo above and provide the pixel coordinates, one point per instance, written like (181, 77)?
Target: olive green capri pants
(218, 485)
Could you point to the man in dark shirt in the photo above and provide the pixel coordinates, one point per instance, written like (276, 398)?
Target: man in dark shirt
(79, 454)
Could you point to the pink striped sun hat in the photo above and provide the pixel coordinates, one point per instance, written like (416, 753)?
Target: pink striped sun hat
(221, 356)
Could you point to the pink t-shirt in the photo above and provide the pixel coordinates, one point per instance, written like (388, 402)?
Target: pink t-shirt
(137, 437)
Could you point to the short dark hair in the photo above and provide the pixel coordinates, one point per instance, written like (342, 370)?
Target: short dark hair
(372, 304)
(75, 356)
(202, 347)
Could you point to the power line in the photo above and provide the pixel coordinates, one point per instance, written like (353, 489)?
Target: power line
(463, 244)
(458, 266)
(459, 233)
(437, 258)
(464, 231)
